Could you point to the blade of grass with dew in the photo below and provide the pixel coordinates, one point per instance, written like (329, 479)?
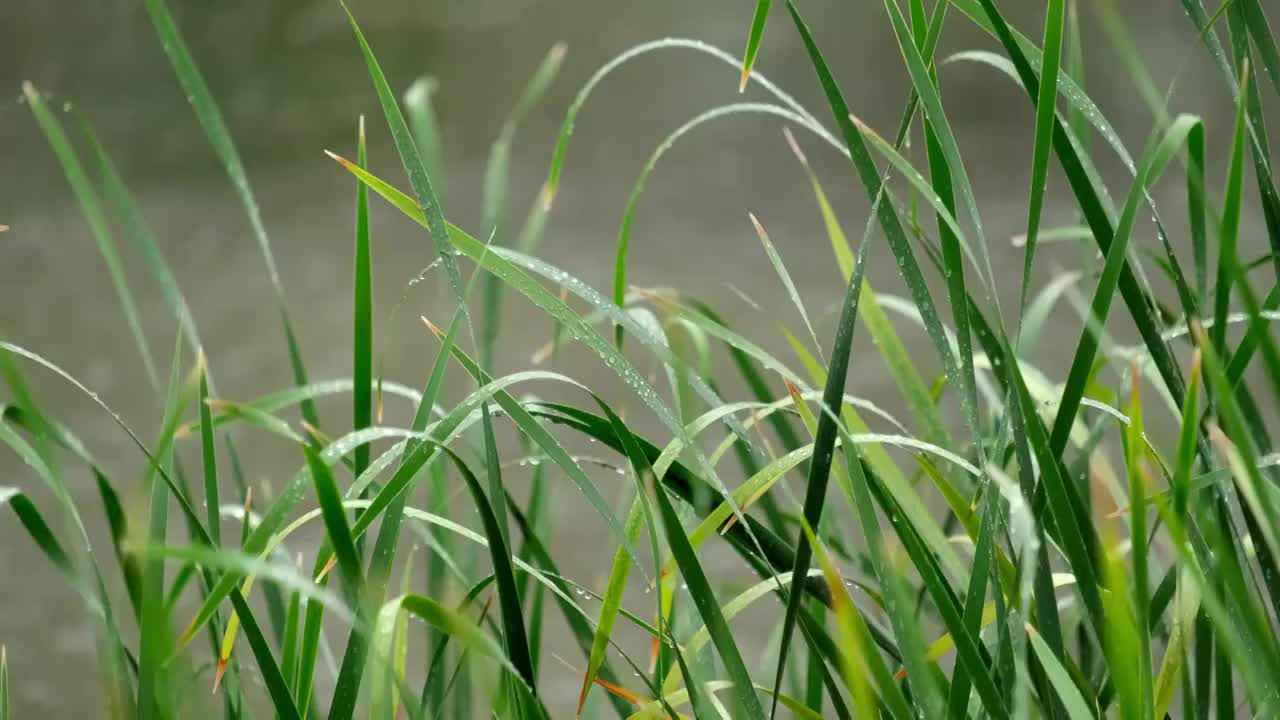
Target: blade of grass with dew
(635, 325)
(529, 425)
(1075, 539)
(932, 105)
(974, 608)
(493, 262)
(773, 551)
(91, 208)
(610, 603)
(886, 214)
(1270, 198)
(552, 184)
(704, 600)
(1151, 167)
(539, 512)
(628, 215)
(414, 166)
(952, 270)
(219, 136)
(1088, 192)
(882, 332)
(891, 225)
(1263, 40)
(888, 342)
(281, 399)
(1046, 105)
(755, 34)
(420, 109)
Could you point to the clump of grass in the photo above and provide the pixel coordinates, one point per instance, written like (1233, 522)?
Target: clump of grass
(1079, 566)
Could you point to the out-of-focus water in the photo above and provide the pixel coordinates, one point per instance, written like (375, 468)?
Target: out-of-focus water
(291, 83)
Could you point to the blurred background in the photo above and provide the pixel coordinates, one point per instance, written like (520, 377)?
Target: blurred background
(291, 82)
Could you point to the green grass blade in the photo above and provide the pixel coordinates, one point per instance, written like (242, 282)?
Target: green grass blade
(1264, 40)
(780, 269)
(1077, 707)
(931, 102)
(1088, 190)
(1152, 166)
(209, 457)
(1046, 106)
(419, 106)
(336, 527)
(91, 207)
(1229, 230)
(754, 35)
(341, 539)
(514, 635)
(824, 441)
(36, 527)
(362, 324)
(703, 598)
(119, 525)
(219, 136)
(277, 688)
(411, 158)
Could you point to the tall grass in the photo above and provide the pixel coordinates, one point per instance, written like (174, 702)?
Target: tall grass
(1045, 557)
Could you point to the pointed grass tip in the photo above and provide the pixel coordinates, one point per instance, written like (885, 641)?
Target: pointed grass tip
(435, 330)
(795, 146)
(4, 228)
(341, 160)
(217, 678)
(764, 236)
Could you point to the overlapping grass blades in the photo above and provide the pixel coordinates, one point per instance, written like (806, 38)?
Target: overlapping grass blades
(1128, 571)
